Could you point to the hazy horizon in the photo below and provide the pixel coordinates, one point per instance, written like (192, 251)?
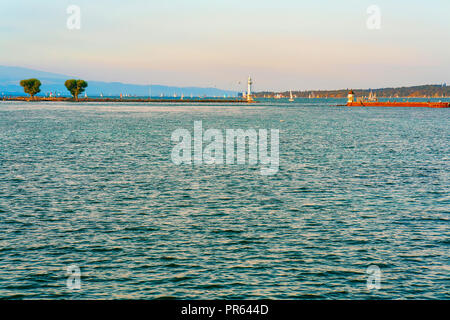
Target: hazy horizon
(283, 45)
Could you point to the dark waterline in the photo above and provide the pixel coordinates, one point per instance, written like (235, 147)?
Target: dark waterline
(93, 185)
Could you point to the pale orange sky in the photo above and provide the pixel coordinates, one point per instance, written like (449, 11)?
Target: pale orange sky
(282, 44)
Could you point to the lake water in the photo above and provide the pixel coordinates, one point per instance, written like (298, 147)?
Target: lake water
(93, 185)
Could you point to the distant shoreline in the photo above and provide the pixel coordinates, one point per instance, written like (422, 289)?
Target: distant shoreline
(422, 91)
(169, 100)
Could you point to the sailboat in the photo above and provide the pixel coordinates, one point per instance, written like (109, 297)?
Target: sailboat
(291, 98)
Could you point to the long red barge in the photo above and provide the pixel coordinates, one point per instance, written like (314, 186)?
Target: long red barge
(352, 102)
(399, 104)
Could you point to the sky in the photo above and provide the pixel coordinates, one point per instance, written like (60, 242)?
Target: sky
(282, 44)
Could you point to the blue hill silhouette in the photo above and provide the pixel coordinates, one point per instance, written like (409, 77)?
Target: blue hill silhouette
(54, 82)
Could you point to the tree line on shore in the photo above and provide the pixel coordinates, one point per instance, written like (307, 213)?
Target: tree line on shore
(75, 87)
(433, 91)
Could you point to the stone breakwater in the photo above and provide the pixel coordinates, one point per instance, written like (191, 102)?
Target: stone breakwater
(161, 100)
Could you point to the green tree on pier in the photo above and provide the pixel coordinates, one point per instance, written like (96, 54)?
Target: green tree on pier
(31, 86)
(75, 87)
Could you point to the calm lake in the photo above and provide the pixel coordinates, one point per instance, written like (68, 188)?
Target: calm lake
(93, 185)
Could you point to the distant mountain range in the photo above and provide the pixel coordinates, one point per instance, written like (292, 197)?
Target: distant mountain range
(53, 82)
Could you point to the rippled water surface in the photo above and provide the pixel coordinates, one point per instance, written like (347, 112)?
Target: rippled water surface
(93, 185)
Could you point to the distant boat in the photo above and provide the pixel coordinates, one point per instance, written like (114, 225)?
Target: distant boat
(291, 98)
(372, 96)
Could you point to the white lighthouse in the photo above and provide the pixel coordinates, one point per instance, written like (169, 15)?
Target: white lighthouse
(249, 90)
(350, 97)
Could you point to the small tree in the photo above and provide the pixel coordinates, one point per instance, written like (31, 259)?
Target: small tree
(75, 87)
(31, 86)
